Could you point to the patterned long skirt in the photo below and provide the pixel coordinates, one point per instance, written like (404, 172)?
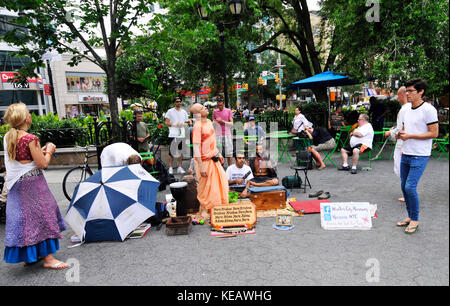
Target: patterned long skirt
(33, 220)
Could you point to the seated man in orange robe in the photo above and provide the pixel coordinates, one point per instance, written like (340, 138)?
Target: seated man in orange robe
(212, 188)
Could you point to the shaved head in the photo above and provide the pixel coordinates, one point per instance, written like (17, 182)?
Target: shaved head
(195, 108)
(401, 95)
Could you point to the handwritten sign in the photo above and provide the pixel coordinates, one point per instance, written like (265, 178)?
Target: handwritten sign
(233, 215)
(343, 216)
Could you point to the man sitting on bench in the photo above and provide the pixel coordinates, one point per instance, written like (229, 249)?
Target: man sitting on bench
(360, 141)
(264, 174)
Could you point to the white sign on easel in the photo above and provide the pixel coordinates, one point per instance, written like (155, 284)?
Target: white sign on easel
(346, 216)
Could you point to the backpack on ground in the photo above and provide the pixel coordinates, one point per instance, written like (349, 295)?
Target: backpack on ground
(291, 181)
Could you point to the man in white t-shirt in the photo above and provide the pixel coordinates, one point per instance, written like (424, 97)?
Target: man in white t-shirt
(420, 126)
(119, 154)
(176, 119)
(360, 141)
(239, 174)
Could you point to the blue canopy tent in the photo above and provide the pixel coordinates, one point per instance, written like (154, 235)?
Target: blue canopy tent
(324, 79)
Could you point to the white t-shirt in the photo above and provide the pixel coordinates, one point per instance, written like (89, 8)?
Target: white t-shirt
(117, 154)
(367, 131)
(416, 121)
(234, 173)
(176, 116)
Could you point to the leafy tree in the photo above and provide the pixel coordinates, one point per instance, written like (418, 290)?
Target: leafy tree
(410, 39)
(77, 28)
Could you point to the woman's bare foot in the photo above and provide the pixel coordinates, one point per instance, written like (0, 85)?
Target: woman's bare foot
(51, 263)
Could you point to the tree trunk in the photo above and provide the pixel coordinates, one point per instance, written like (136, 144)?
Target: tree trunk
(112, 98)
(321, 94)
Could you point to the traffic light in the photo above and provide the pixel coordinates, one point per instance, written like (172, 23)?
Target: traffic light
(260, 81)
(277, 78)
(245, 86)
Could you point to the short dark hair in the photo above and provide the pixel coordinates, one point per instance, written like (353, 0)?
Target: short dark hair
(177, 98)
(418, 84)
(133, 159)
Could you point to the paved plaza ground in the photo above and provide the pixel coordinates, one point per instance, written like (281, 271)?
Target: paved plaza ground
(306, 255)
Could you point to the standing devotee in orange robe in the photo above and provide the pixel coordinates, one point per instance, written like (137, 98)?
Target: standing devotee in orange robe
(212, 188)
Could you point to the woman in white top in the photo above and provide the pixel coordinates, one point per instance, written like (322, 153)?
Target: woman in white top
(300, 122)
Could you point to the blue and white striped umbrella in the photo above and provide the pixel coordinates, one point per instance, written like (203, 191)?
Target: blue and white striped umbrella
(112, 203)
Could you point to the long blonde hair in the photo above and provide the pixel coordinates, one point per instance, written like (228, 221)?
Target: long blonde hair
(15, 116)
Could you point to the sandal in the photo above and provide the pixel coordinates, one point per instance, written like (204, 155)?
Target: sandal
(414, 228)
(324, 196)
(403, 223)
(316, 194)
(57, 266)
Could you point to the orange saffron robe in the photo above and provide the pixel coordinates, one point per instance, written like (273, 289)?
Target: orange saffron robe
(212, 190)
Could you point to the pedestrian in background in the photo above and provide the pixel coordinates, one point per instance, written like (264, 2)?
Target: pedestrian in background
(223, 121)
(142, 133)
(401, 96)
(33, 219)
(176, 119)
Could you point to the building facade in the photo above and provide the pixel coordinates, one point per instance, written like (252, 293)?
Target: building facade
(79, 90)
(32, 93)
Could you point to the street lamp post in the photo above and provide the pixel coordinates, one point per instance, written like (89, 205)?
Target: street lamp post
(235, 8)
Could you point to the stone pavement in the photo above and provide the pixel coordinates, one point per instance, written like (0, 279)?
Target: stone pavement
(306, 255)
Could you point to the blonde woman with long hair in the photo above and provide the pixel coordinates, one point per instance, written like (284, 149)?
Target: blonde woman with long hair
(33, 219)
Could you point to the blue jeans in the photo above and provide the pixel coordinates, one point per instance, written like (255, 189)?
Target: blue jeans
(411, 169)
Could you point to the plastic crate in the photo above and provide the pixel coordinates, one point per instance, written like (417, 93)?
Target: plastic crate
(179, 225)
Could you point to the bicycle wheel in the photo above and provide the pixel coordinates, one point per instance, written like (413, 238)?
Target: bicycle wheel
(74, 177)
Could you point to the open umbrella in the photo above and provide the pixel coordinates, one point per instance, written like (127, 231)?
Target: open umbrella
(112, 203)
(324, 79)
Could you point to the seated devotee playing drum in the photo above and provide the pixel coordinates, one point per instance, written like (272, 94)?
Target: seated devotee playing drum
(239, 174)
(264, 173)
(212, 188)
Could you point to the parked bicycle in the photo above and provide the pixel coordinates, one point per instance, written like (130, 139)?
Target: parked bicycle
(77, 174)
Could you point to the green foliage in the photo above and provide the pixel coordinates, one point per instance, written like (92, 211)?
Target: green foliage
(410, 40)
(52, 121)
(157, 129)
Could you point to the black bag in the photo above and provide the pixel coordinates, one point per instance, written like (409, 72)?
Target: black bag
(304, 159)
(291, 181)
(161, 213)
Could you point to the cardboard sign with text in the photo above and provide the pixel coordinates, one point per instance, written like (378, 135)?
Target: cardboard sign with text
(345, 216)
(233, 215)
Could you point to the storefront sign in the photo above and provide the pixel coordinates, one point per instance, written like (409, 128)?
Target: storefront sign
(6, 76)
(347, 215)
(233, 215)
(93, 98)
